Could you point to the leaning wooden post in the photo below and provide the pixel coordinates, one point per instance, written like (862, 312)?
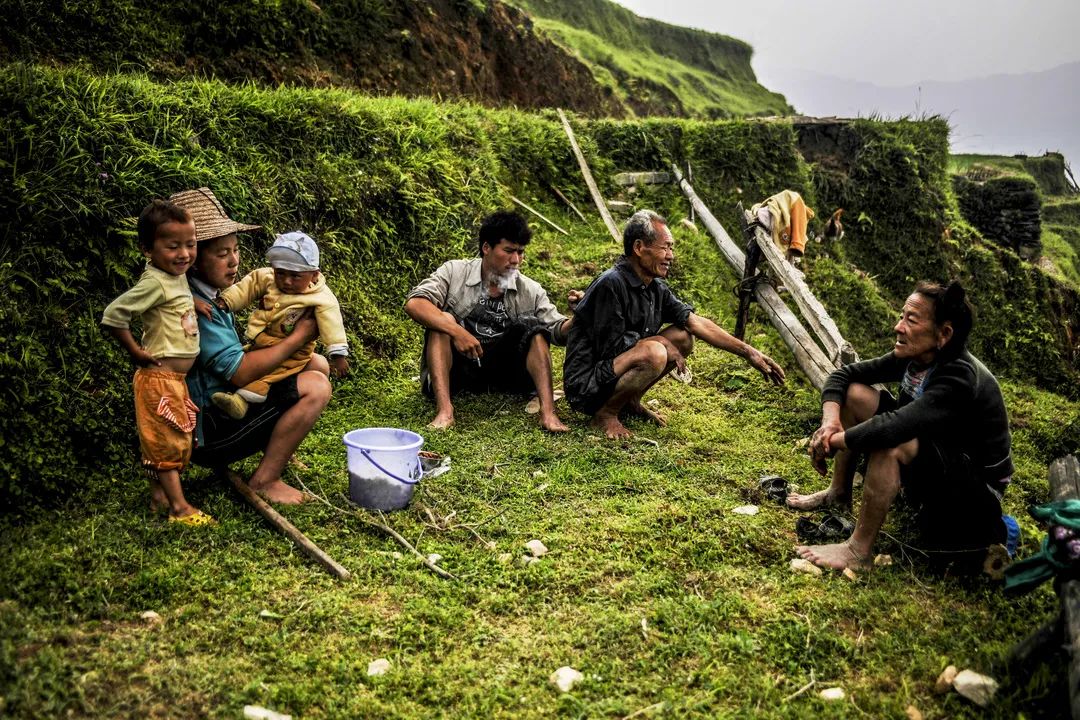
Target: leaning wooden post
(287, 529)
(1065, 485)
(807, 354)
(598, 199)
(836, 348)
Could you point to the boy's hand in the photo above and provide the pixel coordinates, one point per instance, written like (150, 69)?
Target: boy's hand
(204, 308)
(143, 358)
(339, 365)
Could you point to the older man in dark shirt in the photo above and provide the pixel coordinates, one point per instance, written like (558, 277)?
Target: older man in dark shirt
(617, 347)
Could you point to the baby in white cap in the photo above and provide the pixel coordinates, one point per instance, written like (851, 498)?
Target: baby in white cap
(283, 291)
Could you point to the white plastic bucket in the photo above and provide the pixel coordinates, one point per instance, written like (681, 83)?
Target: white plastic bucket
(384, 467)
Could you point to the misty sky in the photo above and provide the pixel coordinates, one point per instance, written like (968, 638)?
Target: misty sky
(890, 42)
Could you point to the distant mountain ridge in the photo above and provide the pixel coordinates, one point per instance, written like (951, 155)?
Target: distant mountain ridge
(999, 114)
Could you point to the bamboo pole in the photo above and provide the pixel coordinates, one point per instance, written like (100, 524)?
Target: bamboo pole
(808, 355)
(537, 214)
(598, 199)
(836, 348)
(287, 529)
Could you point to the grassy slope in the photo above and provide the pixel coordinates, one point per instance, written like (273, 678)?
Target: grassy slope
(649, 62)
(636, 534)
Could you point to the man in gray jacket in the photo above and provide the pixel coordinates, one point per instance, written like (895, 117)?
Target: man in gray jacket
(489, 328)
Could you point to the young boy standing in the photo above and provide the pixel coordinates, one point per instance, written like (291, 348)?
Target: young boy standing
(164, 414)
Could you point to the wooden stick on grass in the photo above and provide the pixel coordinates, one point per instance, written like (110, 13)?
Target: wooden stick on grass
(537, 214)
(287, 529)
(567, 201)
(587, 174)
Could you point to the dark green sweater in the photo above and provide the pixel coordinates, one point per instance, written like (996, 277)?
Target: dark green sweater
(960, 409)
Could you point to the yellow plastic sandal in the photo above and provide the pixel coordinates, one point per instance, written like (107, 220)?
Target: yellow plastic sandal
(195, 519)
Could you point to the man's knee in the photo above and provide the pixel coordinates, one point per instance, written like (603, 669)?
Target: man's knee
(314, 387)
(861, 401)
(653, 357)
(539, 343)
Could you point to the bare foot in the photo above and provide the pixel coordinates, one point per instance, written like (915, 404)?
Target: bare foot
(639, 410)
(814, 501)
(278, 492)
(552, 423)
(611, 426)
(442, 420)
(837, 556)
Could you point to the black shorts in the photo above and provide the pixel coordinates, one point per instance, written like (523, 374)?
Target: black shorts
(226, 441)
(956, 511)
(501, 369)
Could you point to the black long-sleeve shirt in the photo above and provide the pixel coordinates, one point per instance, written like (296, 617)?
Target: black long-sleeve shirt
(960, 407)
(617, 310)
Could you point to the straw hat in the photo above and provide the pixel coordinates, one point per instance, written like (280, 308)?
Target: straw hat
(210, 218)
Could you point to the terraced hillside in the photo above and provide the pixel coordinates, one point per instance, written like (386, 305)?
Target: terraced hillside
(490, 52)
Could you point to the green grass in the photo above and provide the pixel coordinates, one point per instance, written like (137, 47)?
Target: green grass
(636, 533)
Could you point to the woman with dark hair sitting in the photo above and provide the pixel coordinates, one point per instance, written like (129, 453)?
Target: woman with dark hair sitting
(945, 441)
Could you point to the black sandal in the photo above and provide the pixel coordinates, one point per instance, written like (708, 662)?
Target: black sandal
(774, 488)
(830, 528)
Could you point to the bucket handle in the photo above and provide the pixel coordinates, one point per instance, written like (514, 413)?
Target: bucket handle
(367, 453)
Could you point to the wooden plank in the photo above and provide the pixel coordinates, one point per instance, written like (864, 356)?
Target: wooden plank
(836, 348)
(598, 199)
(808, 355)
(1065, 484)
(539, 215)
(627, 179)
(287, 529)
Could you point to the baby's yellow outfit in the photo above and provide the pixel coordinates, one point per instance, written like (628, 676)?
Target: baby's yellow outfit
(273, 319)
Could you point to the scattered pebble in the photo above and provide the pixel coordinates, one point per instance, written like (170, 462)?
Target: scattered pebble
(805, 566)
(539, 473)
(527, 560)
(256, 712)
(945, 680)
(434, 558)
(150, 617)
(802, 442)
(882, 560)
(542, 487)
(267, 615)
(396, 555)
(536, 548)
(913, 713)
(505, 558)
(377, 667)
(490, 545)
(654, 403)
(977, 688)
(834, 693)
(851, 574)
(857, 479)
(745, 510)
(565, 678)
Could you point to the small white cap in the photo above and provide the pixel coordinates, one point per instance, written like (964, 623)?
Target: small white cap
(294, 251)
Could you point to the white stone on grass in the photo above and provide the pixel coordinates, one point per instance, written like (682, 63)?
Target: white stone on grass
(150, 617)
(805, 566)
(565, 678)
(977, 688)
(505, 558)
(745, 510)
(434, 558)
(851, 574)
(257, 712)
(379, 666)
(834, 693)
(882, 560)
(536, 548)
(527, 560)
